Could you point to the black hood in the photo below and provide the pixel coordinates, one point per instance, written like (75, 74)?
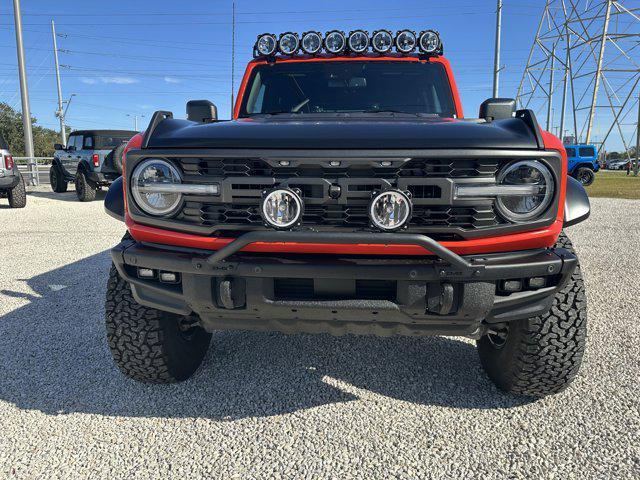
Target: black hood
(344, 132)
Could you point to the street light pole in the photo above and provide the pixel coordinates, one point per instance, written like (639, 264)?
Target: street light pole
(59, 112)
(496, 54)
(24, 90)
(233, 51)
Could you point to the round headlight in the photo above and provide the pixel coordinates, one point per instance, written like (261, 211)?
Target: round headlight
(390, 210)
(406, 41)
(288, 43)
(334, 42)
(282, 208)
(525, 205)
(311, 42)
(148, 181)
(266, 44)
(382, 41)
(358, 41)
(429, 41)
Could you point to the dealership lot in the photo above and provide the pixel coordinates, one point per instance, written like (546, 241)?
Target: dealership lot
(271, 406)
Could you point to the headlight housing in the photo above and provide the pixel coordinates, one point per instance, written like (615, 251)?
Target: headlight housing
(288, 43)
(382, 41)
(152, 186)
(266, 44)
(311, 42)
(335, 42)
(358, 41)
(525, 206)
(390, 210)
(406, 41)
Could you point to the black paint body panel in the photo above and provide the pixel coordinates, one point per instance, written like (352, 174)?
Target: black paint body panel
(342, 131)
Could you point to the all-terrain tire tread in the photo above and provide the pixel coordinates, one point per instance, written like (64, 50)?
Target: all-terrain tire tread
(85, 191)
(550, 347)
(18, 195)
(137, 338)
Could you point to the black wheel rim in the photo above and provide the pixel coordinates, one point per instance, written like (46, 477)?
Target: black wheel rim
(585, 178)
(498, 335)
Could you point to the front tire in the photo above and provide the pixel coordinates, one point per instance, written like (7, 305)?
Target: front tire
(85, 190)
(542, 355)
(57, 181)
(585, 176)
(149, 345)
(18, 195)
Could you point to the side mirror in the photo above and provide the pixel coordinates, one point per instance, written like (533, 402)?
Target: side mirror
(202, 111)
(58, 146)
(497, 109)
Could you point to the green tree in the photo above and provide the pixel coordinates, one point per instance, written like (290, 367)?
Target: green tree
(11, 130)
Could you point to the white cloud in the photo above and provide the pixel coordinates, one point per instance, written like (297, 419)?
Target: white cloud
(171, 80)
(119, 80)
(88, 81)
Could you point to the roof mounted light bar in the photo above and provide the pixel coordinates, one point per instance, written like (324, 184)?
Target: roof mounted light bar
(357, 42)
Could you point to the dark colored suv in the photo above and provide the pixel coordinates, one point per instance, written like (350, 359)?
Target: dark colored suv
(11, 182)
(92, 159)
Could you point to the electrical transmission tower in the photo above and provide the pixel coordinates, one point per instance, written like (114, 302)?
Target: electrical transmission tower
(583, 72)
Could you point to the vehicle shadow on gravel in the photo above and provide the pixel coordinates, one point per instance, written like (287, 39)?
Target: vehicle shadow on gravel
(68, 196)
(54, 358)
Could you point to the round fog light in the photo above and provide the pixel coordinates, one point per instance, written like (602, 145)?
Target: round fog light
(282, 208)
(390, 210)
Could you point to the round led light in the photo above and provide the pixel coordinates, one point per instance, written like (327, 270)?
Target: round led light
(266, 44)
(146, 179)
(335, 42)
(311, 42)
(429, 41)
(282, 208)
(382, 41)
(288, 43)
(524, 207)
(406, 41)
(358, 41)
(390, 210)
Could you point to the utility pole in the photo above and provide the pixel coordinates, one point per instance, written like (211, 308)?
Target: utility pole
(596, 85)
(60, 111)
(550, 92)
(135, 120)
(496, 54)
(233, 51)
(24, 93)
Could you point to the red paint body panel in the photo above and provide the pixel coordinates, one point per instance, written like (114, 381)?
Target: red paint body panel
(540, 238)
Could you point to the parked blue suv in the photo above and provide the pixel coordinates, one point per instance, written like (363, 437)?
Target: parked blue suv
(583, 162)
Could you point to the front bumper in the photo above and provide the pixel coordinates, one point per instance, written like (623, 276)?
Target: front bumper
(444, 294)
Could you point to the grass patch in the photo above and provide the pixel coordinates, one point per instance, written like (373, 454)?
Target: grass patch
(615, 184)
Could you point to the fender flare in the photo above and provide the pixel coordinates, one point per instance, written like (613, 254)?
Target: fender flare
(576, 203)
(83, 166)
(114, 200)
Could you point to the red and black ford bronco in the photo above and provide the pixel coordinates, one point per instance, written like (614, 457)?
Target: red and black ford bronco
(349, 194)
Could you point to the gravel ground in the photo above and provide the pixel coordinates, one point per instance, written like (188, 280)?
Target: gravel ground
(276, 406)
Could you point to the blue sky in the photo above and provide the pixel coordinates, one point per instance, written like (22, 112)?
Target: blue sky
(130, 58)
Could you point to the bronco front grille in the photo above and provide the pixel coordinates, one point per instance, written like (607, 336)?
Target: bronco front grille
(416, 167)
(429, 180)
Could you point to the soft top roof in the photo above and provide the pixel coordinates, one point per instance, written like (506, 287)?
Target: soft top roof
(104, 132)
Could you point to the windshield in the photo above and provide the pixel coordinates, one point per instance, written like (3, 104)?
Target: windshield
(353, 86)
